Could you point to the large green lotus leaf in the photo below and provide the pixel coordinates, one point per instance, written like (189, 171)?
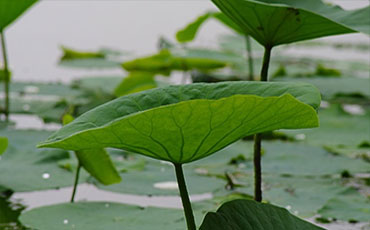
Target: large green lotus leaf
(142, 101)
(158, 179)
(26, 168)
(165, 62)
(135, 82)
(355, 19)
(348, 206)
(100, 215)
(191, 130)
(252, 215)
(281, 22)
(189, 32)
(11, 10)
(3, 144)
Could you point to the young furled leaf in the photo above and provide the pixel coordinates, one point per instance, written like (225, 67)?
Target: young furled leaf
(3, 144)
(96, 161)
(135, 82)
(188, 33)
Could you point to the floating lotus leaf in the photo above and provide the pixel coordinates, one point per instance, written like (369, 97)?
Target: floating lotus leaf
(165, 62)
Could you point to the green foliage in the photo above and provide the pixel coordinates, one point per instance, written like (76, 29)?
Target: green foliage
(135, 82)
(176, 129)
(189, 32)
(192, 130)
(3, 144)
(321, 70)
(4, 75)
(278, 22)
(165, 62)
(11, 10)
(9, 213)
(101, 59)
(70, 54)
(251, 215)
(280, 72)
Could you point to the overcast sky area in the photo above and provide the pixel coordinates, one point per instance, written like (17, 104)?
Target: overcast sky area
(34, 41)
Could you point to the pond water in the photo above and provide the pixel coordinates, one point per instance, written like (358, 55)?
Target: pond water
(134, 26)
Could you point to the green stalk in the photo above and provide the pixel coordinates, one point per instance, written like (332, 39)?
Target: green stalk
(258, 137)
(77, 176)
(185, 197)
(249, 57)
(6, 80)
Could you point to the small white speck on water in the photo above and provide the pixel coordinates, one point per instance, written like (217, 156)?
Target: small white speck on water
(354, 109)
(107, 205)
(65, 221)
(166, 163)
(288, 207)
(241, 165)
(201, 171)
(296, 212)
(31, 89)
(300, 137)
(45, 176)
(167, 185)
(324, 104)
